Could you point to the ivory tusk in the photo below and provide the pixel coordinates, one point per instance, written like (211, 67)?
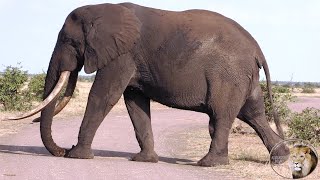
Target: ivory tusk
(52, 96)
(61, 104)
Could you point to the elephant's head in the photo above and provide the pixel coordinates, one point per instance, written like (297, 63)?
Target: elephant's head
(91, 36)
(95, 35)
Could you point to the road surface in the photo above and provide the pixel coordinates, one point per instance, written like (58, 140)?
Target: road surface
(23, 156)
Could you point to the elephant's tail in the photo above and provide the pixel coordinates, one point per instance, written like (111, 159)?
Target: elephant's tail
(275, 114)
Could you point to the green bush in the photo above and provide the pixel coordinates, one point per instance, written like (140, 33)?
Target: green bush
(83, 78)
(36, 86)
(281, 96)
(306, 125)
(14, 95)
(297, 85)
(308, 88)
(281, 89)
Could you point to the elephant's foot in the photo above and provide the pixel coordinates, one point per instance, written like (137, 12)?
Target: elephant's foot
(213, 160)
(280, 154)
(144, 156)
(79, 152)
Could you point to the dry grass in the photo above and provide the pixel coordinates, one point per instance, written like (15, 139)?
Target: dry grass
(248, 156)
(298, 92)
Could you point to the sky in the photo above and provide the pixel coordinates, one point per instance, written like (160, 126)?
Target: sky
(288, 31)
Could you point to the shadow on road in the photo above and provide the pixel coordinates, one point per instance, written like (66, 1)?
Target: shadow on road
(42, 151)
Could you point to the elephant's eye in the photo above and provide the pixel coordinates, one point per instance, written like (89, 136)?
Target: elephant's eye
(64, 38)
(68, 40)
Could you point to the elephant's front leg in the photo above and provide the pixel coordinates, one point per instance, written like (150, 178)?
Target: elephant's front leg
(139, 110)
(109, 84)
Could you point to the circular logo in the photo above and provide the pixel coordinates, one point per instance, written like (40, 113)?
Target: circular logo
(293, 158)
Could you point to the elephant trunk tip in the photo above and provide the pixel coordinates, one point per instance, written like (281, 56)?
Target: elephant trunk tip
(52, 147)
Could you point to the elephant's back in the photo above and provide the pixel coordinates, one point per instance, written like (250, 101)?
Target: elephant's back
(190, 36)
(197, 25)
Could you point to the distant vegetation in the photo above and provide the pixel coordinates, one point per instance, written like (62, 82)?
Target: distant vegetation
(308, 88)
(86, 78)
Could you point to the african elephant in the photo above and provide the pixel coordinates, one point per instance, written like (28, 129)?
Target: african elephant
(193, 60)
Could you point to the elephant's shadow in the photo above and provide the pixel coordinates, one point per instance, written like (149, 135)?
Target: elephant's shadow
(42, 151)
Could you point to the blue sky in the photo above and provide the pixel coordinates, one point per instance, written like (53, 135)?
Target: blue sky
(288, 31)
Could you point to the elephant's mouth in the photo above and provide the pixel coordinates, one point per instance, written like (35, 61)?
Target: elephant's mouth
(51, 97)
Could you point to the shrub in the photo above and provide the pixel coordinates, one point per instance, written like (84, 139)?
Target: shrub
(16, 94)
(306, 125)
(297, 85)
(13, 94)
(36, 86)
(308, 88)
(281, 96)
(82, 78)
(287, 85)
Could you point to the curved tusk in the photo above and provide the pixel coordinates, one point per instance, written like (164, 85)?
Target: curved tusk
(62, 104)
(52, 96)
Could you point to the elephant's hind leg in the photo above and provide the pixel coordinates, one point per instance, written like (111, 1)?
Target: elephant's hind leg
(224, 101)
(139, 110)
(253, 113)
(219, 128)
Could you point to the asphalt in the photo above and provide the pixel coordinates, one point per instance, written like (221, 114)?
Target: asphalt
(23, 156)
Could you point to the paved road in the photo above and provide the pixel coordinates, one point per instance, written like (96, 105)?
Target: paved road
(23, 156)
(304, 102)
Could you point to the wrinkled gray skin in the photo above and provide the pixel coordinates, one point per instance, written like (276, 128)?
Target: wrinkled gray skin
(194, 60)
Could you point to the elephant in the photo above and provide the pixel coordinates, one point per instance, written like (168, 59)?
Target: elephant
(194, 60)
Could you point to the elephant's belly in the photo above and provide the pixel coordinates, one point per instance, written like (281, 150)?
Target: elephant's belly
(182, 95)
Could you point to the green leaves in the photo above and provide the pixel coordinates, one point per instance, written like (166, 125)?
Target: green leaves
(281, 97)
(13, 91)
(36, 86)
(306, 125)
(18, 92)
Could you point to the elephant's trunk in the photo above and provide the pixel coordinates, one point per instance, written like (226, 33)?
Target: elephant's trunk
(68, 93)
(66, 97)
(48, 112)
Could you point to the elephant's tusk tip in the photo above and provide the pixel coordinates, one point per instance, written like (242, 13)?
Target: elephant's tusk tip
(4, 119)
(36, 119)
(10, 118)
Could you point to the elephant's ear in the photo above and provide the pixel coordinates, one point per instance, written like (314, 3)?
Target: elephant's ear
(111, 33)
